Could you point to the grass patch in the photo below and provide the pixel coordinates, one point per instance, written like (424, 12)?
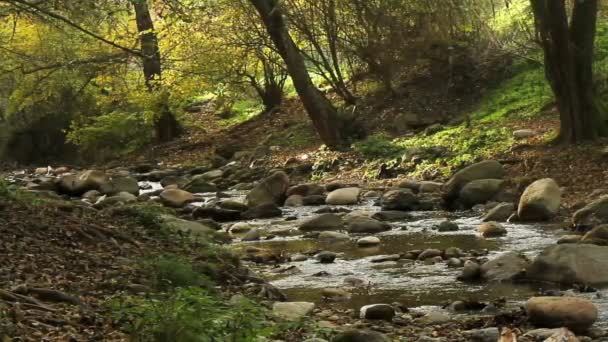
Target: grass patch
(190, 315)
(170, 271)
(242, 111)
(379, 145)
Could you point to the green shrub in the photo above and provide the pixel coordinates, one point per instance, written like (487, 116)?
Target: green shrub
(171, 271)
(190, 315)
(378, 145)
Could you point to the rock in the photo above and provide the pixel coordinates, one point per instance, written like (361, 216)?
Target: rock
(562, 335)
(470, 272)
(385, 258)
(383, 312)
(593, 214)
(368, 241)
(570, 264)
(575, 313)
(267, 210)
(176, 198)
(173, 180)
(232, 205)
(271, 190)
(453, 252)
(326, 257)
(360, 336)
(335, 294)
(294, 201)
(185, 226)
(292, 311)
(483, 335)
(429, 187)
(333, 236)
(597, 236)
(455, 263)
(199, 185)
(569, 239)
(356, 281)
(435, 317)
(540, 201)
(500, 213)
(480, 191)
(398, 200)
(298, 258)
(447, 226)
(489, 169)
(120, 198)
(429, 253)
(92, 195)
(305, 190)
(367, 226)
(217, 214)
(524, 134)
(505, 268)
(314, 200)
(82, 182)
(213, 174)
(542, 334)
(252, 235)
(492, 229)
(391, 215)
(115, 185)
(322, 222)
(344, 196)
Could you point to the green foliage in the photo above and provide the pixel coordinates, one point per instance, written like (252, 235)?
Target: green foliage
(190, 315)
(243, 110)
(379, 145)
(170, 271)
(523, 95)
(147, 215)
(117, 131)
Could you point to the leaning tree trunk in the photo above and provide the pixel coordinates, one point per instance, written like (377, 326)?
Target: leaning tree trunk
(319, 108)
(568, 53)
(166, 126)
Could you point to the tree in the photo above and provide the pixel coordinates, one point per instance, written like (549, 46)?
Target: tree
(320, 110)
(568, 50)
(166, 126)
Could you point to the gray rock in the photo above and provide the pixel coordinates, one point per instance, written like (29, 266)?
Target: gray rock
(570, 264)
(489, 169)
(232, 205)
(116, 185)
(217, 214)
(305, 190)
(399, 200)
(391, 215)
(500, 213)
(322, 222)
(367, 226)
(492, 229)
(176, 198)
(429, 253)
(597, 236)
(453, 252)
(377, 312)
(314, 200)
(480, 191)
(368, 241)
(333, 236)
(577, 314)
(271, 190)
(267, 210)
(294, 201)
(593, 214)
(344, 196)
(540, 201)
(252, 235)
(470, 272)
(326, 257)
(447, 226)
(505, 268)
(385, 258)
(292, 311)
(185, 226)
(82, 182)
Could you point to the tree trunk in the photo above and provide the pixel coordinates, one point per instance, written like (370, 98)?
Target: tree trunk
(568, 58)
(166, 126)
(319, 108)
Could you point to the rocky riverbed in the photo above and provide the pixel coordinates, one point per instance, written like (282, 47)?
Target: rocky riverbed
(427, 261)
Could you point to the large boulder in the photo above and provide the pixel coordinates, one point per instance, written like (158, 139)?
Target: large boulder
(267, 210)
(82, 182)
(593, 214)
(199, 185)
(570, 264)
(176, 198)
(577, 314)
(322, 222)
(540, 201)
(306, 190)
(597, 235)
(368, 226)
(184, 226)
(480, 191)
(507, 267)
(489, 169)
(271, 190)
(116, 185)
(403, 199)
(344, 196)
(292, 311)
